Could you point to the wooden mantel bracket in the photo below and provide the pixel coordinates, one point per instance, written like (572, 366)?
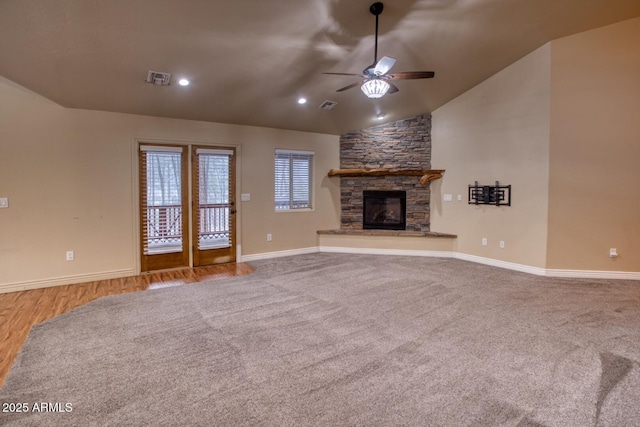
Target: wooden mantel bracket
(427, 175)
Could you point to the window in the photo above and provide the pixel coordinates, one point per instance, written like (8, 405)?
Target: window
(293, 179)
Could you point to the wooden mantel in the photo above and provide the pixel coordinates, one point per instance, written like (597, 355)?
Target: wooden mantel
(427, 175)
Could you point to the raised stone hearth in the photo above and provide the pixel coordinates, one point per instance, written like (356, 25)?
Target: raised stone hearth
(385, 242)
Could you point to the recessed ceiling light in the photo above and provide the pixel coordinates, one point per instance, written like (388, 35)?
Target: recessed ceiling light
(302, 100)
(183, 82)
(380, 116)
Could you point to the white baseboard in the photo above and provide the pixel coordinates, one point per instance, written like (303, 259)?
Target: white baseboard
(66, 280)
(115, 274)
(396, 252)
(437, 254)
(501, 264)
(538, 271)
(594, 274)
(278, 254)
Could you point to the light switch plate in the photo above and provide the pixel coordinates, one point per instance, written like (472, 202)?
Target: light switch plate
(245, 197)
(448, 197)
(4, 202)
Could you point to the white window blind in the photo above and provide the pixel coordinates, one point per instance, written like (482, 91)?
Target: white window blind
(293, 179)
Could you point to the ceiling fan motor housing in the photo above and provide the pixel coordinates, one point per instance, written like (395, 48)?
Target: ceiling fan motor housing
(376, 8)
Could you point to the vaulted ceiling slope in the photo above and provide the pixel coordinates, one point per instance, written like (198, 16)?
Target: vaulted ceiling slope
(249, 60)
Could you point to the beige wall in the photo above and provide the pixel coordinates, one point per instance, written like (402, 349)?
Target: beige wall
(594, 197)
(69, 174)
(290, 230)
(561, 126)
(497, 131)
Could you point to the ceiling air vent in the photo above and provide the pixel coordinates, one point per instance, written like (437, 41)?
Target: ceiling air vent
(158, 78)
(328, 105)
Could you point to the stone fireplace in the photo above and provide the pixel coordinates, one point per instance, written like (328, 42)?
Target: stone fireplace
(405, 144)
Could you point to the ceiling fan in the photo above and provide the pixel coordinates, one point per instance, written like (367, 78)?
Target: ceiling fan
(375, 81)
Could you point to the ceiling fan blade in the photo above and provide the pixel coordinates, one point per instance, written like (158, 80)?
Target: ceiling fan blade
(350, 86)
(392, 88)
(384, 65)
(345, 74)
(411, 75)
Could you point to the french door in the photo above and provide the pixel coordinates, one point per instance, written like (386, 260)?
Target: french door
(214, 205)
(168, 210)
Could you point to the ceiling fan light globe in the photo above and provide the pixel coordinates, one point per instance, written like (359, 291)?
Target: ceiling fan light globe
(375, 88)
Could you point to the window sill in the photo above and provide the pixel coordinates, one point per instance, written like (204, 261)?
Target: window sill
(294, 210)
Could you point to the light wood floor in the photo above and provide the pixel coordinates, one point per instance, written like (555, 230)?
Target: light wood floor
(19, 311)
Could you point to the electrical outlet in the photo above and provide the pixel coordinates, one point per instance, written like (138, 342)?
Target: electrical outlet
(484, 241)
(613, 252)
(448, 197)
(70, 256)
(4, 202)
(502, 244)
(269, 237)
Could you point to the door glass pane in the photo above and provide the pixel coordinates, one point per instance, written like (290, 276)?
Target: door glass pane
(213, 192)
(164, 203)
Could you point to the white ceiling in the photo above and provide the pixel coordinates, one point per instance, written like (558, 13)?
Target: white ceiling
(249, 60)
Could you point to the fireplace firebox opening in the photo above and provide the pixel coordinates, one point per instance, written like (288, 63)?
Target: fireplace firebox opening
(384, 210)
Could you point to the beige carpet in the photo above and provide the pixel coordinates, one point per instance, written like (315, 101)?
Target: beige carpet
(342, 340)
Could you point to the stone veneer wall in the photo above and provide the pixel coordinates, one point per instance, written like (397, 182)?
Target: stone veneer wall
(405, 144)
